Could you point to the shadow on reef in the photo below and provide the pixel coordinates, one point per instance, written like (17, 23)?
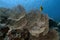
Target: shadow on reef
(17, 24)
(54, 24)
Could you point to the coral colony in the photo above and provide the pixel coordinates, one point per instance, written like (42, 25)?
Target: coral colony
(17, 24)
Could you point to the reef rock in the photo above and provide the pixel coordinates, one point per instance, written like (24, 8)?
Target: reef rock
(24, 34)
(37, 23)
(3, 32)
(34, 21)
(19, 25)
(51, 35)
(18, 34)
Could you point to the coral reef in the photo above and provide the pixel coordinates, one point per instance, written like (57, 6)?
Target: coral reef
(20, 25)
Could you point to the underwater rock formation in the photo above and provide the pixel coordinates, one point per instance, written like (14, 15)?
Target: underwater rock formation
(18, 34)
(37, 23)
(34, 21)
(3, 32)
(17, 13)
(19, 25)
(51, 35)
(24, 34)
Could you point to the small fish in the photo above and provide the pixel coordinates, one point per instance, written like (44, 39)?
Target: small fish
(41, 8)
